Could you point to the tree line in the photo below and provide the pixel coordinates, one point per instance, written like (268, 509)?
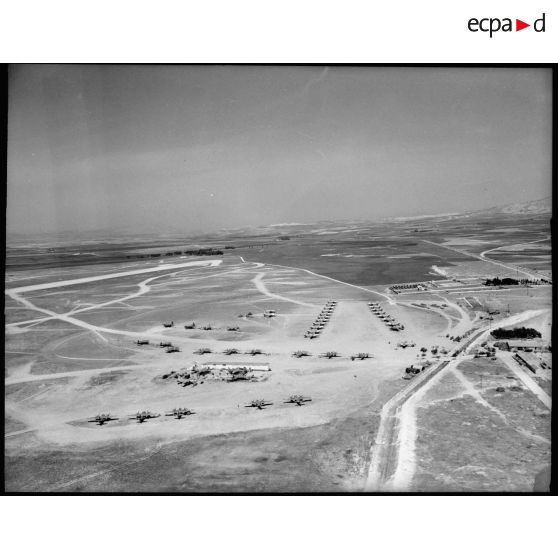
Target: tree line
(516, 333)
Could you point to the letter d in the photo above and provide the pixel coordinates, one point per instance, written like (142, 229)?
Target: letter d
(536, 24)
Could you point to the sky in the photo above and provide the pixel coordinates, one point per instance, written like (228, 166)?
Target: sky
(201, 148)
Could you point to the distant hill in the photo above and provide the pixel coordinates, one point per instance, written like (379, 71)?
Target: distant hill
(533, 207)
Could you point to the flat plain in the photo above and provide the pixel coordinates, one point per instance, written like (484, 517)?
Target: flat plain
(75, 314)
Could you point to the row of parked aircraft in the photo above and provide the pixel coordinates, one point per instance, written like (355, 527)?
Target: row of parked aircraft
(192, 325)
(170, 348)
(207, 327)
(230, 351)
(178, 413)
(331, 354)
(142, 416)
(298, 400)
(376, 309)
(321, 321)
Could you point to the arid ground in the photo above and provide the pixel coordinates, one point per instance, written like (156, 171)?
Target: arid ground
(74, 315)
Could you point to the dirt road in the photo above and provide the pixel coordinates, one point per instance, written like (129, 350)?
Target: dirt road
(385, 452)
(389, 469)
(529, 383)
(390, 299)
(260, 285)
(143, 288)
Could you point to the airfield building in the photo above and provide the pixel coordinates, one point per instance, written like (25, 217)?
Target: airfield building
(528, 345)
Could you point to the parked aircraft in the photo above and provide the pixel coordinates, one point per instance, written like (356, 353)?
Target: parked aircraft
(142, 416)
(298, 399)
(101, 418)
(360, 356)
(179, 413)
(259, 404)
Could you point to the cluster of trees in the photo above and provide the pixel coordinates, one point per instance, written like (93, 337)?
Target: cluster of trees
(204, 252)
(532, 281)
(198, 252)
(496, 281)
(516, 333)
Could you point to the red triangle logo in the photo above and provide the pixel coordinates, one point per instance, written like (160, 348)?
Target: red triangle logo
(519, 25)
